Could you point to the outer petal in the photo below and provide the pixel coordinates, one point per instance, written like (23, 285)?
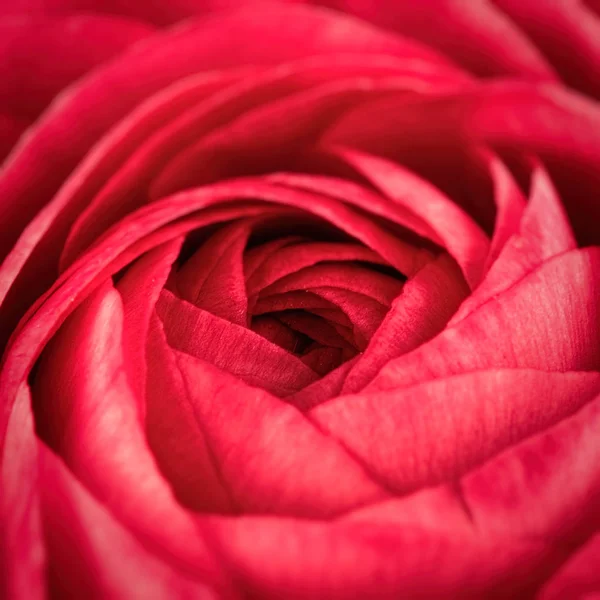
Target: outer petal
(40, 57)
(111, 562)
(86, 411)
(551, 122)
(567, 33)
(475, 34)
(214, 43)
(506, 528)
(11, 129)
(22, 550)
(578, 577)
(154, 11)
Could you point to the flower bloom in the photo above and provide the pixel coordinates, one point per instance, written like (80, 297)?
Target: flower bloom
(300, 301)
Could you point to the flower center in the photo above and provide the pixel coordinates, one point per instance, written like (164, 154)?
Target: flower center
(309, 290)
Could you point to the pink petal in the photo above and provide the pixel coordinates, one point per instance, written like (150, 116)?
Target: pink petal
(275, 331)
(139, 289)
(248, 432)
(214, 43)
(294, 257)
(421, 311)
(11, 128)
(506, 527)
(154, 11)
(253, 143)
(346, 276)
(475, 34)
(551, 122)
(366, 560)
(299, 300)
(542, 233)
(533, 324)
(21, 535)
(39, 57)
(578, 577)
(30, 266)
(85, 409)
(567, 33)
(317, 329)
(323, 359)
(175, 435)
(110, 561)
(328, 386)
(213, 278)
(530, 491)
(224, 123)
(359, 196)
(255, 257)
(231, 347)
(363, 313)
(510, 204)
(464, 240)
(434, 431)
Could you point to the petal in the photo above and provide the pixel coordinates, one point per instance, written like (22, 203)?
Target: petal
(365, 560)
(423, 434)
(551, 122)
(32, 263)
(21, 536)
(475, 34)
(510, 204)
(513, 522)
(359, 196)
(254, 142)
(11, 128)
(176, 436)
(363, 313)
(249, 432)
(153, 11)
(213, 43)
(567, 33)
(85, 410)
(139, 289)
(578, 577)
(464, 240)
(543, 232)
(230, 347)
(328, 386)
(425, 305)
(548, 320)
(111, 562)
(39, 57)
(317, 329)
(213, 278)
(297, 256)
(346, 276)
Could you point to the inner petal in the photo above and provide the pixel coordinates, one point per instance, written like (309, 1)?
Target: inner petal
(314, 294)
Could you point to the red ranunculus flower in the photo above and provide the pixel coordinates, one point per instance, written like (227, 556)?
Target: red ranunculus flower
(300, 302)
